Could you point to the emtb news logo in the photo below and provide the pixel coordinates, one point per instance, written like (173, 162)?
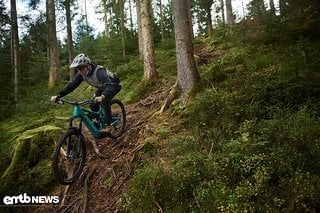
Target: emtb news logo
(24, 199)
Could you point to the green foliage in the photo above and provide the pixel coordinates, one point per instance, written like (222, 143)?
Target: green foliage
(166, 62)
(258, 147)
(140, 91)
(130, 75)
(254, 143)
(150, 186)
(33, 54)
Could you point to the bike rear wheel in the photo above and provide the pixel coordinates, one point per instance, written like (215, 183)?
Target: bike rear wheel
(69, 157)
(118, 123)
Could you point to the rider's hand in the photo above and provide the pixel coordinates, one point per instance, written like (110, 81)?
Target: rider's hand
(98, 99)
(55, 98)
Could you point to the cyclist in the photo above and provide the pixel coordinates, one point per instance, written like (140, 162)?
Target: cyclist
(107, 84)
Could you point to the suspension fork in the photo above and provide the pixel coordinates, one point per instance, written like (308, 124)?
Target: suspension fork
(79, 138)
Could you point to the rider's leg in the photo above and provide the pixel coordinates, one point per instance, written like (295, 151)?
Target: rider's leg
(109, 93)
(107, 110)
(95, 106)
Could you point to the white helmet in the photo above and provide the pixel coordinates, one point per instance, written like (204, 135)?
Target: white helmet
(80, 60)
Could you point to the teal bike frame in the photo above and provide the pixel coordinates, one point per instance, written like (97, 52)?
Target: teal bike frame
(82, 113)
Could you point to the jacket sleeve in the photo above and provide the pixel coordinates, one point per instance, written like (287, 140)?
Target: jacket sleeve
(71, 85)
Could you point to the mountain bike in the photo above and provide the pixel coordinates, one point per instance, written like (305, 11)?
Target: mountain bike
(69, 155)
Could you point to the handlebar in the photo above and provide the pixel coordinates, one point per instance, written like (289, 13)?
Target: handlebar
(85, 102)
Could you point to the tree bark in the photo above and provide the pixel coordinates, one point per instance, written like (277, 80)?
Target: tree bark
(122, 27)
(15, 48)
(222, 12)
(53, 49)
(150, 72)
(131, 18)
(230, 19)
(140, 39)
(188, 4)
(67, 4)
(188, 74)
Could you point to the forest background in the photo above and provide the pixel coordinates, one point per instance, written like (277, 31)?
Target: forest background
(248, 103)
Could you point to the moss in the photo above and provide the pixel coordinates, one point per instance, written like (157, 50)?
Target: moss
(32, 149)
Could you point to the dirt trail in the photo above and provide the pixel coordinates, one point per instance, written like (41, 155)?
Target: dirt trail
(103, 180)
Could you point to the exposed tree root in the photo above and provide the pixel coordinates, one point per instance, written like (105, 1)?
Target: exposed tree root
(97, 150)
(66, 189)
(160, 208)
(104, 178)
(174, 93)
(85, 190)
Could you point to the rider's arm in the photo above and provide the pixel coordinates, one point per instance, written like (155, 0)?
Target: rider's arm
(71, 85)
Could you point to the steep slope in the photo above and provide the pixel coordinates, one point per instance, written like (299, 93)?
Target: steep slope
(111, 163)
(103, 180)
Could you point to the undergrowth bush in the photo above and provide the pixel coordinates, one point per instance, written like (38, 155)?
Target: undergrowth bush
(256, 143)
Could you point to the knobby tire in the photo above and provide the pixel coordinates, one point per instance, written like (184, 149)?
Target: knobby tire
(60, 155)
(115, 133)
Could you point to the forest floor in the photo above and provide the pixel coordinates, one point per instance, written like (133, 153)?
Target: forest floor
(104, 179)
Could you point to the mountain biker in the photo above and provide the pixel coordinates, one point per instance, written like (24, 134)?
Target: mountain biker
(107, 84)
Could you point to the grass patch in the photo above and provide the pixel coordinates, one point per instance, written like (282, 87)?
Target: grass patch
(257, 146)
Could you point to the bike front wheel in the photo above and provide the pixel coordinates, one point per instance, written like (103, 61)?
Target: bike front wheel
(118, 123)
(69, 157)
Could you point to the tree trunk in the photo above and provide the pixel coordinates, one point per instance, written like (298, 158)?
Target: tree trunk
(131, 18)
(122, 27)
(67, 4)
(188, 74)
(230, 20)
(188, 4)
(150, 72)
(140, 39)
(15, 49)
(53, 49)
(105, 18)
(85, 12)
(222, 11)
